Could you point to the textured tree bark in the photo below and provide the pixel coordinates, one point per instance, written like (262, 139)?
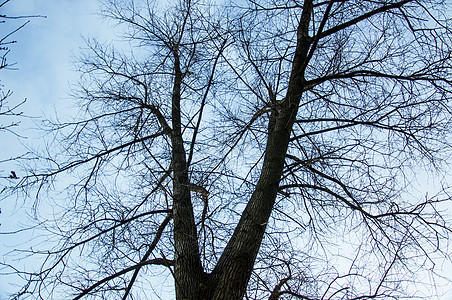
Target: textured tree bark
(187, 270)
(235, 266)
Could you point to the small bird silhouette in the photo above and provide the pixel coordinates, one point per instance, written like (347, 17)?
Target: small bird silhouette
(13, 175)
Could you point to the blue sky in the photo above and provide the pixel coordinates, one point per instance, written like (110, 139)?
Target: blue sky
(43, 66)
(45, 48)
(44, 58)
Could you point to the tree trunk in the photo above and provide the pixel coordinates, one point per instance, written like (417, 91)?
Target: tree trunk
(235, 266)
(187, 270)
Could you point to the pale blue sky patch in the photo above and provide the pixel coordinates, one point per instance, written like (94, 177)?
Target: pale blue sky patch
(44, 52)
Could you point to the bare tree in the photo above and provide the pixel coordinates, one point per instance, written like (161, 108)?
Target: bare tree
(261, 149)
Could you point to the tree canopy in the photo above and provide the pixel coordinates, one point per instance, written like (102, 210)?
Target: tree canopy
(249, 149)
